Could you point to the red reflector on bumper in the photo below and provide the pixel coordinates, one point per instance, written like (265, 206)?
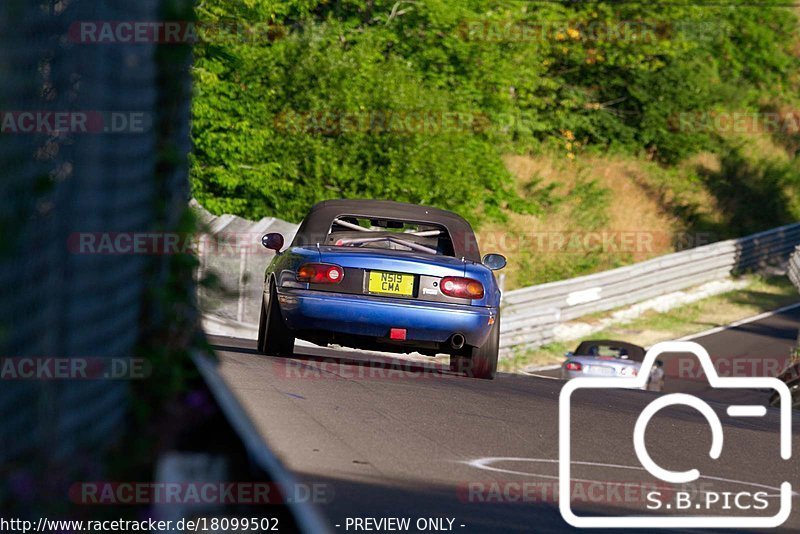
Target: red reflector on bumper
(397, 333)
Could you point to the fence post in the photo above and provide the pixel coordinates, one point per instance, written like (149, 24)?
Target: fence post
(242, 283)
(201, 263)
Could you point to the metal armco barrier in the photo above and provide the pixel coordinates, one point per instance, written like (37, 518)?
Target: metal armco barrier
(530, 314)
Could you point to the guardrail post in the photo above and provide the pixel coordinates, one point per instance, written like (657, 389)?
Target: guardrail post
(242, 283)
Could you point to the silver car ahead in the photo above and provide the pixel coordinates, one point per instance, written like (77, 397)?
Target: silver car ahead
(608, 358)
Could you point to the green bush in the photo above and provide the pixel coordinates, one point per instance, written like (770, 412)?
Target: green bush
(327, 102)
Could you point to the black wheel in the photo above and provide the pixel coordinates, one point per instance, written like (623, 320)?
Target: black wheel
(274, 337)
(482, 363)
(262, 327)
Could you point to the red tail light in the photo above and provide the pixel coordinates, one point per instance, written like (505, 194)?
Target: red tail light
(574, 366)
(320, 273)
(463, 288)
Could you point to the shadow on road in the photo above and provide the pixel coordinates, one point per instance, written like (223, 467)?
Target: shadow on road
(487, 513)
(333, 359)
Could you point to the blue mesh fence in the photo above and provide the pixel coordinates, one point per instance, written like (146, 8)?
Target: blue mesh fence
(91, 174)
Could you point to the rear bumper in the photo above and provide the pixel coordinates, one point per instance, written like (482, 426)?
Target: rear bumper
(569, 375)
(364, 315)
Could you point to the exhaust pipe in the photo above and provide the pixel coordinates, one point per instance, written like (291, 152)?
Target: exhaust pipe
(457, 341)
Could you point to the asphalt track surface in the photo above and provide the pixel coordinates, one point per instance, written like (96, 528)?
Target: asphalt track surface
(392, 437)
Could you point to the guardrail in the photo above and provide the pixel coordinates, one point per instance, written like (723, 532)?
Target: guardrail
(238, 259)
(530, 314)
(794, 268)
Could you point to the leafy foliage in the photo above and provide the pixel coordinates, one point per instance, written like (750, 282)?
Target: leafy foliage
(417, 101)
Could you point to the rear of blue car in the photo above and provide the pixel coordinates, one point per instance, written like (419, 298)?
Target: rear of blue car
(384, 291)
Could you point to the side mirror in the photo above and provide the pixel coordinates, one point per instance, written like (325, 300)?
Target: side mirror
(659, 363)
(494, 261)
(569, 354)
(272, 242)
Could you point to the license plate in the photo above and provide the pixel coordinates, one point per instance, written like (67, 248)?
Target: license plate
(599, 370)
(391, 283)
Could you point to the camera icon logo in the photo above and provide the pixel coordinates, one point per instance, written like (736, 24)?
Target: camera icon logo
(675, 477)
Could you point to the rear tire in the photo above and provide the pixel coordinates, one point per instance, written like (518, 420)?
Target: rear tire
(483, 361)
(274, 337)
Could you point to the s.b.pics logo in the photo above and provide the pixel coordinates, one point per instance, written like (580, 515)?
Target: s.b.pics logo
(738, 459)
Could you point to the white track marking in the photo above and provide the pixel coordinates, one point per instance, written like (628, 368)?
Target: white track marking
(541, 376)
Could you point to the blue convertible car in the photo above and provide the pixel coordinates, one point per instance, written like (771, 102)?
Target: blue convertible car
(386, 276)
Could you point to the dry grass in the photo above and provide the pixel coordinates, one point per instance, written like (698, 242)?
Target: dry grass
(630, 206)
(636, 192)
